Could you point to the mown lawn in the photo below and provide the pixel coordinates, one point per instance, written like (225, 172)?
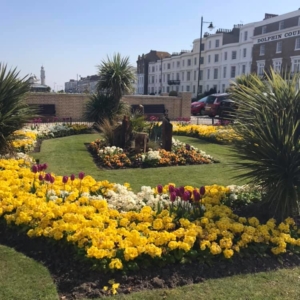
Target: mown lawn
(69, 155)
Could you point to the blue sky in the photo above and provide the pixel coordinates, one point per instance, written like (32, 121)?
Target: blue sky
(71, 37)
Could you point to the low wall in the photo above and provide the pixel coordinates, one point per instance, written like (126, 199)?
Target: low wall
(73, 105)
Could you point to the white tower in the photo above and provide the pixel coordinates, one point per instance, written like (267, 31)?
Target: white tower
(43, 77)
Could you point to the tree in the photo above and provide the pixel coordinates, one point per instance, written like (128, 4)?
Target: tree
(267, 120)
(116, 77)
(14, 112)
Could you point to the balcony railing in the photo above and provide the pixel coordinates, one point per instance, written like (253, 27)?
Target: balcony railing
(174, 82)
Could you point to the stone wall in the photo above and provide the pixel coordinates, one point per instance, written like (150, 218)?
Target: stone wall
(73, 105)
(66, 105)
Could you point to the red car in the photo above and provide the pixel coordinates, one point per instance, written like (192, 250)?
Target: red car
(212, 106)
(198, 107)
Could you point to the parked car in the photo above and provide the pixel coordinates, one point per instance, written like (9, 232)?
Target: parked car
(213, 103)
(198, 107)
(227, 109)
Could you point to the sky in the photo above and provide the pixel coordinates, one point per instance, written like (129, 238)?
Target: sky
(72, 37)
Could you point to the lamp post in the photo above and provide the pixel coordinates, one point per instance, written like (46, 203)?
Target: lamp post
(161, 74)
(210, 27)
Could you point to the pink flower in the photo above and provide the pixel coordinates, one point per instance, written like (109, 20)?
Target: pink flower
(81, 175)
(72, 177)
(41, 178)
(197, 195)
(52, 179)
(45, 166)
(186, 195)
(48, 177)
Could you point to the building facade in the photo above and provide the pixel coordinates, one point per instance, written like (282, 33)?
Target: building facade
(226, 54)
(276, 43)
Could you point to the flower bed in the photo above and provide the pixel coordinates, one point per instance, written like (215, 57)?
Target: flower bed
(25, 140)
(216, 134)
(118, 229)
(116, 158)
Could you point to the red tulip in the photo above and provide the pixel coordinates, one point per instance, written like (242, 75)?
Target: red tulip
(45, 166)
(34, 169)
(52, 179)
(171, 188)
(48, 177)
(159, 189)
(197, 195)
(172, 196)
(72, 177)
(81, 175)
(41, 178)
(202, 190)
(65, 179)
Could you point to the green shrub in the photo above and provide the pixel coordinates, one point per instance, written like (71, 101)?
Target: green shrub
(173, 93)
(267, 120)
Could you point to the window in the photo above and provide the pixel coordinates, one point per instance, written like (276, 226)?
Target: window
(225, 55)
(168, 89)
(281, 25)
(277, 65)
(173, 64)
(168, 77)
(182, 88)
(260, 68)
(164, 78)
(232, 72)
(207, 87)
(189, 62)
(194, 89)
(163, 89)
(216, 57)
(178, 64)
(208, 73)
(217, 43)
(223, 88)
(224, 72)
(177, 88)
(297, 43)
(264, 29)
(296, 65)
(169, 66)
(208, 58)
(299, 21)
(195, 60)
(152, 79)
(200, 89)
(215, 73)
(182, 76)
(278, 47)
(153, 69)
(187, 88)
(209, 45)
(202, 60)
(262, 49)
(152, 89)
(233, 55)
(201, 74)
(245, 35)
(195, 75)
(188, 76)
(243, 69)
(177, 76)
(244, 52)
(183, 63)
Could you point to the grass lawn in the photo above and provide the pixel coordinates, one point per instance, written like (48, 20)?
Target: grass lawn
(22, 278)
(69, 155)
(275, 285)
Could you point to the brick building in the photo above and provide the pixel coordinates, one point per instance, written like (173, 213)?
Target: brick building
(276, 43)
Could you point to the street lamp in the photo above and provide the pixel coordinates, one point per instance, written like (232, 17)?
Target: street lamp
(210, 27)
(161, 74)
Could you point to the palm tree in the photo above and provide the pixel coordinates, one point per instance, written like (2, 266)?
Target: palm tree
(269, 150)
(100, 107)
(116, 77)
(14, 112)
